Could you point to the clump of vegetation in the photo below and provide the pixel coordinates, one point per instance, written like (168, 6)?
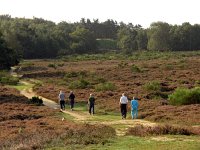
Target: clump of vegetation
(135, 68)
(183, 96)
(52, 65)
(5, 78)
(105, 87)
(79, 84)
(36, 100)
(75, 74)
(141, 130)
(152, 86)
(122, 64)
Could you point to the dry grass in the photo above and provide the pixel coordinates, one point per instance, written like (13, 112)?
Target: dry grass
(141, 130)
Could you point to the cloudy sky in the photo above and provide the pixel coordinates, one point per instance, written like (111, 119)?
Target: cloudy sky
(142, 12)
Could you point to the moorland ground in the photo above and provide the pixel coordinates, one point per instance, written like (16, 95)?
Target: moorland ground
(151, 79)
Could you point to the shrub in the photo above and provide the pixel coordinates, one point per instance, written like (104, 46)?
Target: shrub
(105, 87)
(52, 66)
(135, 68)
(80, 84)
(183, 96)
(122, 64)
(61, 64)
(5, 78)
(152, 86)
(36, 100)
(140, 130)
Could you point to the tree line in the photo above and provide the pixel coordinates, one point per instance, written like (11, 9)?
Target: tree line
(39, 38)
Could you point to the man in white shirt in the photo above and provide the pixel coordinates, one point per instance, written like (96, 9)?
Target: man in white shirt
(123, 105)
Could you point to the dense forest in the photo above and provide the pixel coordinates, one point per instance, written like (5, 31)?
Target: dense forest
(39, 38)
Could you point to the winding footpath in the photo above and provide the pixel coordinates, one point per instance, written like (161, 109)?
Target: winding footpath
(84, 117)
(81, 117)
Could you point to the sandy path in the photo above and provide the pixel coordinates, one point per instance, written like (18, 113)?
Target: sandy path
(84, 117)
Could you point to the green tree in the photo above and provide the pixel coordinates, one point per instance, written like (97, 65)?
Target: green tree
(83, 41)
(8, 56)
(142, 39)
(127, 39)
(159, 36)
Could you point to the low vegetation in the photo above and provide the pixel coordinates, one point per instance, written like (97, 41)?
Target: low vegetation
(141, 130)
(6, 78)
(36, 100)
(183, 96)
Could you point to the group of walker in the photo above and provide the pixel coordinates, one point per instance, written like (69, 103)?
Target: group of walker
(61, 97)
(91, 102)
(124, 104)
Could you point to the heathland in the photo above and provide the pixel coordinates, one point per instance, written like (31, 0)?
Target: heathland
(167, 85)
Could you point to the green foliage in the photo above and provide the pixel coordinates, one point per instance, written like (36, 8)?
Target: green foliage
(5, 78)
(36, 100)
(52, 65)
(122, 64)
(127, 40)
(183, 96)
(8, 57)
(135, 68)
(107, 44)
(158, 36)
(83, 41)
(105, 87)
(152, 86)
(79, 84)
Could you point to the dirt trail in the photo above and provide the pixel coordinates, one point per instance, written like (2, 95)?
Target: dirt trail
(84, 117)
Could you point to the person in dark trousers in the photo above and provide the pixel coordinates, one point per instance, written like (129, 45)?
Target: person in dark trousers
(71, 100)
(123, 105)
(91, 102)
(61, 97)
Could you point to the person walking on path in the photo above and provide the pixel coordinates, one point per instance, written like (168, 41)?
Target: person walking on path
(123, 105)
(134, 108)
(91, 102)
(61, 97)
(71, 100)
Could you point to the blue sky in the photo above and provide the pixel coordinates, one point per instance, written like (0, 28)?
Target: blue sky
(142, 12)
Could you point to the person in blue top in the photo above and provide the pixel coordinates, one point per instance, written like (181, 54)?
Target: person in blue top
(134, 108)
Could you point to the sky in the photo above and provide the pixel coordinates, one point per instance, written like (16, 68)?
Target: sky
(142, 12)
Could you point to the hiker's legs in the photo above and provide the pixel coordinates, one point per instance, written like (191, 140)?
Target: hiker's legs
(123, 110)
(134, 113)
(72, 104)
(92, 109)
(62, 105)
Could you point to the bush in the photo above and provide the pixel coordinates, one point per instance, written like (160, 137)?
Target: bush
(135, 68)
(52, 66)
(152, 86)
(36, 100)
(183, 96)
(5, 78)
(105, 87)
(80, 84)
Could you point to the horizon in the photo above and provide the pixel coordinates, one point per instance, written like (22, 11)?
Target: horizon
(129, 11)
